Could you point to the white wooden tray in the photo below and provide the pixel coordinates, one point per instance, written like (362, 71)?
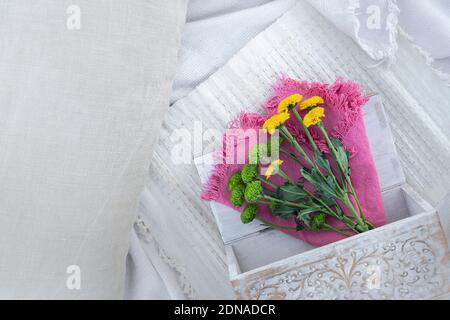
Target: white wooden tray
(407, 258)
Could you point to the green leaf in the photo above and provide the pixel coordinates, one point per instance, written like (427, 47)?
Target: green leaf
(325, 187)
(321, 161)
(318, 221)
(342, 155)
(292, 193)
(304, 216)
(283, 211)
(308, 210)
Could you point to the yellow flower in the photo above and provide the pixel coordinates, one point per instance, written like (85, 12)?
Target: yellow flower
(311, 102)
(314, 116)
(275, 121)
(273, 166)
(283, 106)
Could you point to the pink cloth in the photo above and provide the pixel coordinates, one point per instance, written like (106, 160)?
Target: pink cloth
(343, 120)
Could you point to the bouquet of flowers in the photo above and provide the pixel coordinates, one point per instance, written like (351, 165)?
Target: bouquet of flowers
(299, 176)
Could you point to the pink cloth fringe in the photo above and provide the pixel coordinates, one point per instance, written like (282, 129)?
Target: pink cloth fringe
(343, 103)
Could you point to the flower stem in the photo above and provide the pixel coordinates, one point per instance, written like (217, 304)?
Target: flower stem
(305, 129)
(267, 182)
(282, 174)
(314, 145)
(299, 148)
(295, 144)
(360, 217)
(292, 204)
(329, 211)
(291, 156)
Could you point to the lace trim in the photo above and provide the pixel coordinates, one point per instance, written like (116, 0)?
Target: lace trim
(389, 54)
(429, 60)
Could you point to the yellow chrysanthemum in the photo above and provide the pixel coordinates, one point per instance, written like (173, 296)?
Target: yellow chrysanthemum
(311, 102)
(272, 167)
(283, 106)
(314, 116)
(275, 121)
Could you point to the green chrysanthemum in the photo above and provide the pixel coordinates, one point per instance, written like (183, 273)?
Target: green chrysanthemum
(253, 191)
(237, 196)
(249, 173)
(249, 213)
(318, 221)
(234, 181)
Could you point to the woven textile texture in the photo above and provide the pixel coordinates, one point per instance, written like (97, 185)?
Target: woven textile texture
(303, 45)
(81, 106)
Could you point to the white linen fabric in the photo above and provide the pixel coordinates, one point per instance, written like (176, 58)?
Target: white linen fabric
(217, 29)
(372, 24)
(182, 228)
(428, 25)
(375, 24)
(81, 105)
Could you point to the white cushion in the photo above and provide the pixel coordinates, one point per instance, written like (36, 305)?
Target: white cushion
(80, 111)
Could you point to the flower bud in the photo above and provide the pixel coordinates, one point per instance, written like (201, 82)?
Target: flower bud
(234, 181)
(318, 221)
(253, 191)
(237, 197)
(249, 173)
(249, 213)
